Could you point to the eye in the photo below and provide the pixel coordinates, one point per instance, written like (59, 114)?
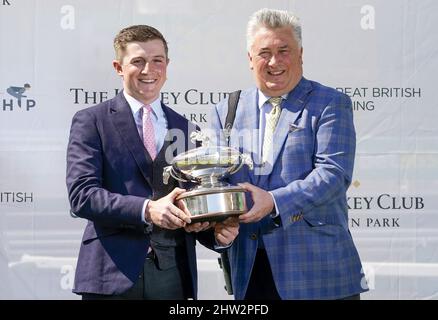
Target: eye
(158, 60)
(138, 62)
(265, 54)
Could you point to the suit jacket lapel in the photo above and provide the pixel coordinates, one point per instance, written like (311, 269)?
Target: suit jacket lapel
(291, 110)
(174, 122)
(122, 118)
(247, 123)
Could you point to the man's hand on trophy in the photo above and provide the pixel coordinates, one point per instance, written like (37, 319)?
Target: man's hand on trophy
(263, 203)
(226, 231)
(199, 226)
(165, 214)
(194, 227)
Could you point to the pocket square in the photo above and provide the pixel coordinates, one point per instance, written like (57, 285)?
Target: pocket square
(294, 127)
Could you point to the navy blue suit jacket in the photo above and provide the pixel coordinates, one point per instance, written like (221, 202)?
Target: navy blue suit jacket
(108, 178)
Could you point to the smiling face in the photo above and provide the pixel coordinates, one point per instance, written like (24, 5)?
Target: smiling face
(276, 61)
(143, 67)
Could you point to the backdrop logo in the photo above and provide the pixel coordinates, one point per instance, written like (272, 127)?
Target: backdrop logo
(385, 201)
(190, 98)
(16, 197)
(368, 98)
(6, 2)
(382, 210)
(19, 100)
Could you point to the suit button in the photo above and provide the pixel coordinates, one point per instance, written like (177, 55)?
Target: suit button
(253, 236)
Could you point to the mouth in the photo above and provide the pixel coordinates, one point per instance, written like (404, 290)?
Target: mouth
(276, 73)
(148, 81)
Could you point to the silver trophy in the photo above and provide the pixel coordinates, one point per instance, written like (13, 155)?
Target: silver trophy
(212, 199)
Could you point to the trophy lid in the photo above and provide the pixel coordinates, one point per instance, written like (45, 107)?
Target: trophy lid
(212, 157)
(206, 164)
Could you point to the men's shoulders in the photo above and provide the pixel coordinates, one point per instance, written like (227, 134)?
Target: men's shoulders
(244, 94)
(101, 107)
(325, 94)
(324, 90)
(178, 118)
(173, 113)
(248, 92)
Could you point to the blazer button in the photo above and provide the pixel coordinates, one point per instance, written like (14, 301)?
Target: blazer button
(253, 236)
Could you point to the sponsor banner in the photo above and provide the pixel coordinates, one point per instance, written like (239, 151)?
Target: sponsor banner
(56, 59)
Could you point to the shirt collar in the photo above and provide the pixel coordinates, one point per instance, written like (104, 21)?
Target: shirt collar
(263, 98)
(136, 105)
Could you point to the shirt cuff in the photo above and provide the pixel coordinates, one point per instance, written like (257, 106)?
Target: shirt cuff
(217, 246)
(276, 213)
(143, 211)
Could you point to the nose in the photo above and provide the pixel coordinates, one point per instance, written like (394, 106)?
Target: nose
(146, 67)
(274, 60)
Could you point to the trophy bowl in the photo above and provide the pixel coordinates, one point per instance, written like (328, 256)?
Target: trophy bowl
(212, 199)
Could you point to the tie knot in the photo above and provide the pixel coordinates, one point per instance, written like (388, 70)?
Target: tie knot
(147, 108)
(275, 101)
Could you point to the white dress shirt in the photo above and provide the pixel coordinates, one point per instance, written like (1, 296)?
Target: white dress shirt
(159, 122)
(265, 107)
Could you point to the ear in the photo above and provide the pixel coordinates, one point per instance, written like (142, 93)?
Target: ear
(250, 61)
(118, 67)
(301, 55)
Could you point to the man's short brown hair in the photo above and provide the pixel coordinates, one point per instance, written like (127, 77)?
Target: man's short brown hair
(137, 33)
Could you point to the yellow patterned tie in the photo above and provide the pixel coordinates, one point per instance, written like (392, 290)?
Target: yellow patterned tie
(271, 121)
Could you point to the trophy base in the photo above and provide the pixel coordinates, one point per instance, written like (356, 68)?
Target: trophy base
(213, 217)
(214, 204)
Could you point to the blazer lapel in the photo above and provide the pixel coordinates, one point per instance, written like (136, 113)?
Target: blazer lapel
(291, 110)
(122, 118)
(176, 121)
(172, 122)
(247, 124)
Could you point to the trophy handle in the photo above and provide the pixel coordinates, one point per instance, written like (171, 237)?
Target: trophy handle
(244, 159)
(169, 172)
(166, 174)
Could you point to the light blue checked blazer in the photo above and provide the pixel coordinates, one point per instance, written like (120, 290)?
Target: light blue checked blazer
(311, 251)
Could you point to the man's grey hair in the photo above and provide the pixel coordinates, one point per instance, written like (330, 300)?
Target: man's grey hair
(272, 19)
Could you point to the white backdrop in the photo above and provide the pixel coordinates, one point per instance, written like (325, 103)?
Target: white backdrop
(55, 59)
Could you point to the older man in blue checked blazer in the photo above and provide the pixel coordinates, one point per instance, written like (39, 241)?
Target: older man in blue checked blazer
(294, 242)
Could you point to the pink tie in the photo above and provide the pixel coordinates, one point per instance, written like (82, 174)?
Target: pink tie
(148, 132)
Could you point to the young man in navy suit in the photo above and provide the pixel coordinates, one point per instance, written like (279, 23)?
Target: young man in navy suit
(137, 243)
